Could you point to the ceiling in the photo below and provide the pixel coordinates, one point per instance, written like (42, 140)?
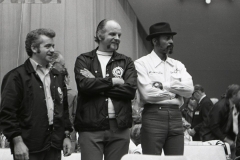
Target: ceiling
(153, 11)
(176, 12)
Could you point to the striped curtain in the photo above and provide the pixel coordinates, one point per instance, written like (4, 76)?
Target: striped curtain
(74, 22)
(30, 1)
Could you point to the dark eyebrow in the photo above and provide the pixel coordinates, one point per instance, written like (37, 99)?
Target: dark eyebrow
(49, 44)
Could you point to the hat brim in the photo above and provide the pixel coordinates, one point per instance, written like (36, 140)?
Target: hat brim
(149, 37)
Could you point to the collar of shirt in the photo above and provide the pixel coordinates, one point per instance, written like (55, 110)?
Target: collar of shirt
(101, 53)
(36, 65)
(231, 105)
(201, 99)
(157, 60)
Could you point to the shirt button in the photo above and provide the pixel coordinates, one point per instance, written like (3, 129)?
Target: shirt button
(95, 71)
(106, 116)
(40, 86)
(107, 75)
(160, 107)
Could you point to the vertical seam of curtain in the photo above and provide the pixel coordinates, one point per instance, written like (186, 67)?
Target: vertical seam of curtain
(65, 27)
(20, 33)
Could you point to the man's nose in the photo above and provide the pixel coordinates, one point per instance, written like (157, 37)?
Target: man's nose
(117, 37)
(52, 49)
(170, 40)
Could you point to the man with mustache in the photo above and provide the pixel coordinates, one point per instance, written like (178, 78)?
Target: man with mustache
(106, 82)
(162, 84)
(34, 110)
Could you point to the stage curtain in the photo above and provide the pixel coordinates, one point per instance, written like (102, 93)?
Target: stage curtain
(74, 22)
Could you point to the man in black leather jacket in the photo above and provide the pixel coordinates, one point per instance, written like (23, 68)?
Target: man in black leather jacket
(34, 110)
(106, 83)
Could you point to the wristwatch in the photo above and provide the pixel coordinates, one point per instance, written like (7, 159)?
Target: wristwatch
(158, 85)
(68, 135)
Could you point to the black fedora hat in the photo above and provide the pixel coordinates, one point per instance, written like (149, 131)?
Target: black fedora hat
(158, 29)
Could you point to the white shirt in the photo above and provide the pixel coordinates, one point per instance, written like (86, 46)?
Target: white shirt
(43, 73)
(103, 58)
(171, 73)
(235, 114)
(201, 99)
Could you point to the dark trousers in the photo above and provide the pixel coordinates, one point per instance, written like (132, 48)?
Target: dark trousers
(113, 143)
(162, 128)
(49, 154)
(196, 137)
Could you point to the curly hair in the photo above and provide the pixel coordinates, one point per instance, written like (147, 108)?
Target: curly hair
(33, 39)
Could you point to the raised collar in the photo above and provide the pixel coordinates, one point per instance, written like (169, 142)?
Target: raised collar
(157, 60)
(115, 56)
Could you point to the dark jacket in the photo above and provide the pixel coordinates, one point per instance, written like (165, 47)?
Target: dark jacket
(238, 136)
(93, 93)
(200, 116)
(218, 127)
(23, 109)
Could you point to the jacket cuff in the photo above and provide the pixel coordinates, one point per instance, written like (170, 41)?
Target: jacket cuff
(10, 138)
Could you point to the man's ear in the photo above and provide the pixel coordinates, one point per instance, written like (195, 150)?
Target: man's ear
(34, 49)
(154, 41)
(100, 37)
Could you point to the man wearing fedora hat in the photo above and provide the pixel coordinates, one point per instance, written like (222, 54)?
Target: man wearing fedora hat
(162, 84)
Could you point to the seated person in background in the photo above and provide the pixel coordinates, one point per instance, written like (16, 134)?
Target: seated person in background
(238, 136)
(59, 64)
(222, 119)
(72, 106)
(187, 109)
(200, 113)
(136, 110)
(135, 141)
(186, 126)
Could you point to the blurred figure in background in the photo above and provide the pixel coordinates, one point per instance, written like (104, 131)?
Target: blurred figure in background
(59, 64)
(222, 124)
(200, 114)
(187, 109)
(135, 141)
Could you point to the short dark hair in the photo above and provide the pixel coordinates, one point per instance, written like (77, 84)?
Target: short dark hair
(33, 39)
(100, 27)
(232, 89)
(198, 87)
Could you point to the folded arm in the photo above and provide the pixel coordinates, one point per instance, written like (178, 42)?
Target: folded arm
(146, 88)
(88, 85)
(182, 85)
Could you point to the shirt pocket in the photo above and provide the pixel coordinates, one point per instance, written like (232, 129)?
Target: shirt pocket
(176, 76)
(156, 76)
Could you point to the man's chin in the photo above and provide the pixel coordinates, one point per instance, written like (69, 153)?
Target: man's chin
(113, 47)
